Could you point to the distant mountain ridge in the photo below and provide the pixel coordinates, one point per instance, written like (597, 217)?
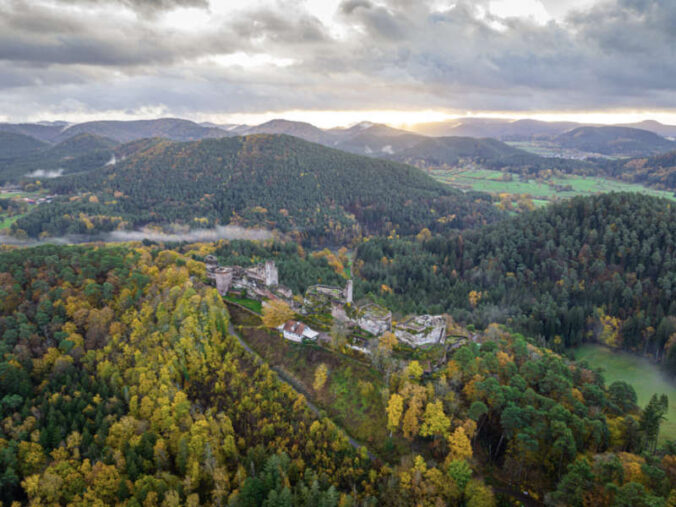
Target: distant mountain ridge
(366, 138)
(479, 143)
(125, 131)
(524, 129)
(381, 141)
(501, 129)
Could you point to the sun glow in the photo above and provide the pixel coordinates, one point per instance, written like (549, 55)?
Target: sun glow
(404, 119)
(328, 119)
(335, 118)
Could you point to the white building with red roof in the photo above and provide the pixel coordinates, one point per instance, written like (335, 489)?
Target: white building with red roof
(297, 331)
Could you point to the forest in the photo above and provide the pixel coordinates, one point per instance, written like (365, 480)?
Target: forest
(122, 383)
(21, 156)
(594, 268)
(321, 195)
(658, 171)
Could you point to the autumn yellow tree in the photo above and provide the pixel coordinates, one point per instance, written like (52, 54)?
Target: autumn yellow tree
(474, 298)
(395, 407)
(459, 445)
(387, 342)
(414, 370)
(276, 312)
(321, 375)
(411, 418)
(478, 494)
(435, 421)
(423, 235)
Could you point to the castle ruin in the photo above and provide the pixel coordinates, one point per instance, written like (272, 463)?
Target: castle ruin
(259, 281)
(421, 330)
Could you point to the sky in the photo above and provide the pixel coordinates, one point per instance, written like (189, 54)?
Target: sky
(336, 62)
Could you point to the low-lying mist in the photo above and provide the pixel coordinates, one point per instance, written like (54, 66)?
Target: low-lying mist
(45, 173)
(191, 236)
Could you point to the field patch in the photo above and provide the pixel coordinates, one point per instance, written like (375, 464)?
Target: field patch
(540, 191)
(646, 378)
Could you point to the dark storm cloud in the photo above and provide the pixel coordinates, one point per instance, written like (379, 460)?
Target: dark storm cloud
(84, 55)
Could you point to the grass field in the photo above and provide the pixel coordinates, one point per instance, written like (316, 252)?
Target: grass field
(542, 192)
(251, 304)
(645, 377)
(6, 222)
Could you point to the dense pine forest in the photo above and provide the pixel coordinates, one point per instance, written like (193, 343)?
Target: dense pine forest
(599, 268)
(122, 384)
(277, 182)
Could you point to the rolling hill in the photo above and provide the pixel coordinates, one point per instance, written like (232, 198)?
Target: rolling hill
(621, 141)
(14, 145)
(523, 130)
(45, 133)
(303, 130)
(440, 151)
(125, 131)
(381, 141)
(502, 129)
(654, 126)
(79, 153)
(276, 182)
(658, 171)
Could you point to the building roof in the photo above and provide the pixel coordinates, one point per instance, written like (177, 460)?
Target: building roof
(299, 329)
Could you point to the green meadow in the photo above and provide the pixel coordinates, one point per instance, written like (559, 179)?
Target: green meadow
(644, 376)
(6, 222)
(542, 191)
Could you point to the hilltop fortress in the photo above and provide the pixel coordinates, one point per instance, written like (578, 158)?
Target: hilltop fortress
(261, 282)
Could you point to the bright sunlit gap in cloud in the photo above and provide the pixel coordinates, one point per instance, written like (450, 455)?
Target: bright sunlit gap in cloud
(247, 60)
(533, 9)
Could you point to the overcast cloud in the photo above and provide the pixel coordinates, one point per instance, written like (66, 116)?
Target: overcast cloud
(199, 59)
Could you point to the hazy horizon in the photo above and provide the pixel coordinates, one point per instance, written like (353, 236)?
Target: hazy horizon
(326, 123)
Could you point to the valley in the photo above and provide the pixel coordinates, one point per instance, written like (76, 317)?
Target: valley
(539, 190)
(343, 253)
(446, 379)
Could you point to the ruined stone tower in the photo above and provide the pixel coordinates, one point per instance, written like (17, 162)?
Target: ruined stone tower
(348, 292)
(223, 278)
(211, 264)
(271, 275)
